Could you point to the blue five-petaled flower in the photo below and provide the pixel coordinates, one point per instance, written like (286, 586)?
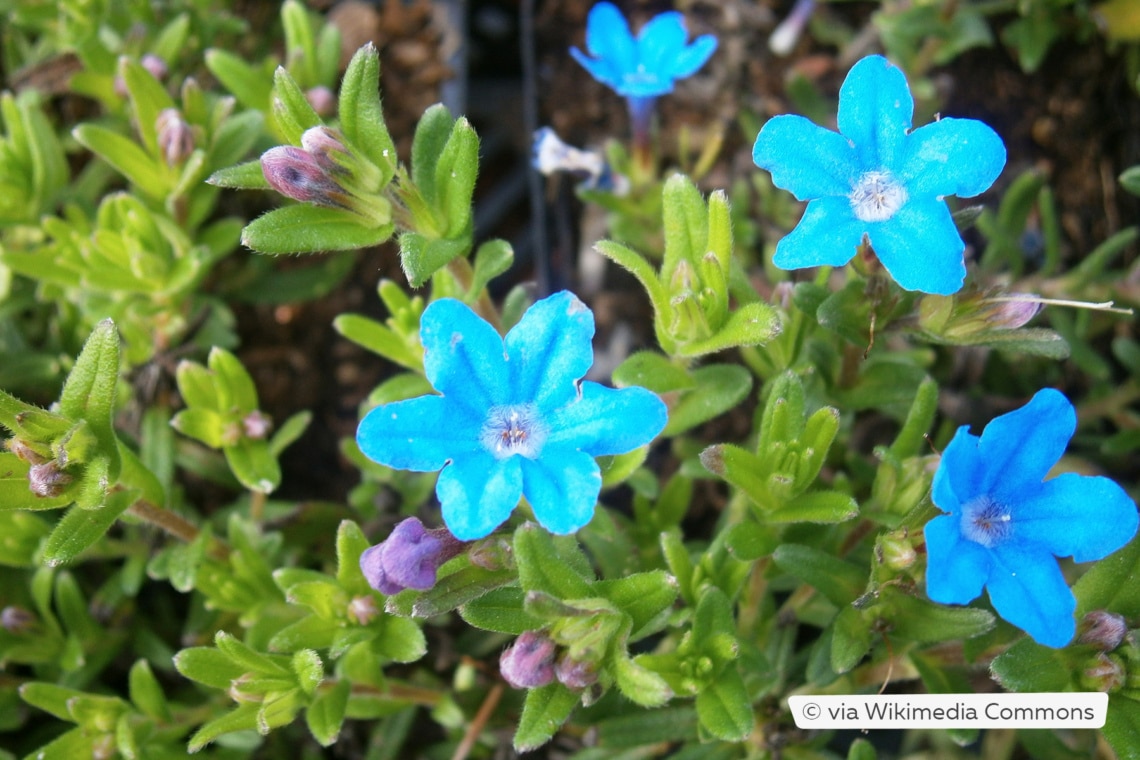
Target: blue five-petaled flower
(644, 67)
(1005, 523)
(514, 418)
(875, 178)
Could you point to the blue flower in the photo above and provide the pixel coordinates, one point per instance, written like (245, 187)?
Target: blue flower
(1005, 523)
(514, 418)
(878, 179)
(645, 67)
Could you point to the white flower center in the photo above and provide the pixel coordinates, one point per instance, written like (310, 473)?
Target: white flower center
(876, 197)
(513, 429)
(986, 522)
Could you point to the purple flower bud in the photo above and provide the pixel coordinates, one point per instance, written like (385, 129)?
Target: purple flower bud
(1103, 629)
(575, 674)
(296, 174)
(256, 425)
(322, 143)
(16, 620)
(322, 100)
(409, 557)
(528, 663)
(175, 136)
(1011, 312)
(155, 65)
(47, 479)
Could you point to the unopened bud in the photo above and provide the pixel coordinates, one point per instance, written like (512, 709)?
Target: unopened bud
(175, 136)
(322, 100)
(409, 558)
(239, 693)
(256, 425)
(896, 551)
(785, 35)
(1103, 673)
(363, 609)
(528, 663)
(155, 65)
(47, 479)
(17, 620)
(575, 674)
(296, 174)
(1103, 629)
(323, 143)
(24, 451)
(492, 554)
(1013, 311)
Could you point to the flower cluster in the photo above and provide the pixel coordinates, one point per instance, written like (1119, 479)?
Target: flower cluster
(513, 419)
(1004, 522)
(877, 180)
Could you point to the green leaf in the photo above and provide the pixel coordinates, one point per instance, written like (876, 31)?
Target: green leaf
(724, 709)
(500, 610)
(402, 640)
(544, 712)
(752, 324)
(20, 536)
(208, 666)
(749, 541)
(421, 257)
(251, 85)
(1028, 666)
(147, 694)
(1122, 726)
(924, 621)
(649, 727)
(350, 544)
(492, 259)
(636, 265)
(235, 388)
(816, 507)
(243, 718)
(642, 596)
(1109, 584)
(291, 108)
(851, 639)
(254, 465)
(89, 392)
(311, 229)
(80, 528)
(1130, 180)
(540, 567)
(685, 220)
(719, 387)
(360, 113)
(15, 493)
(840, 581)
(203, 425)
(455, 174)
(309, 670)
(449, 592)
(246, 176)
(125, 157)
(248, 658)
(325, 715)
(432, 132)
(652, 371)
(50, 698)
(639, 684)
(380, 340)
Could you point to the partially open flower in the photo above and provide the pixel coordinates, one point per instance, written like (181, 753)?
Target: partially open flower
(528, 663)
(409, 557)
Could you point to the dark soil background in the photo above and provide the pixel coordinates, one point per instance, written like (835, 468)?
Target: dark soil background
(1076, 120)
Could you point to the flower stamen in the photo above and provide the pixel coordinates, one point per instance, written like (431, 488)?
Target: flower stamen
(986, 522)
(876, 197)
(514, 429)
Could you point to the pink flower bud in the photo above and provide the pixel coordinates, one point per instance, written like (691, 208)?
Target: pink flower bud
(295, 173)
(47, 480)
(155, 65)
(322, 100)
(175, 136)
(16, 620)
(528, 663)
(1013, 311)
(256, 425)
(409, 558)
(575, 674)
(1103, 629)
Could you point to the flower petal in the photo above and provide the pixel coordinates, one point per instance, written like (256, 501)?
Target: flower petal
(959, 157)
(659, 41)
(806, 159)
(920, 247)
(689, 60)
(562, 488)
(600, 69)
(608, 38)
(956, 568)
(959, 475)
(1019, 448)
(606, 421)
(1078, 515)
(1027, 588)
(549, 350)
(827, 235)
(464, 358)
(875, 112)
(478, 493)
(419, 434)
